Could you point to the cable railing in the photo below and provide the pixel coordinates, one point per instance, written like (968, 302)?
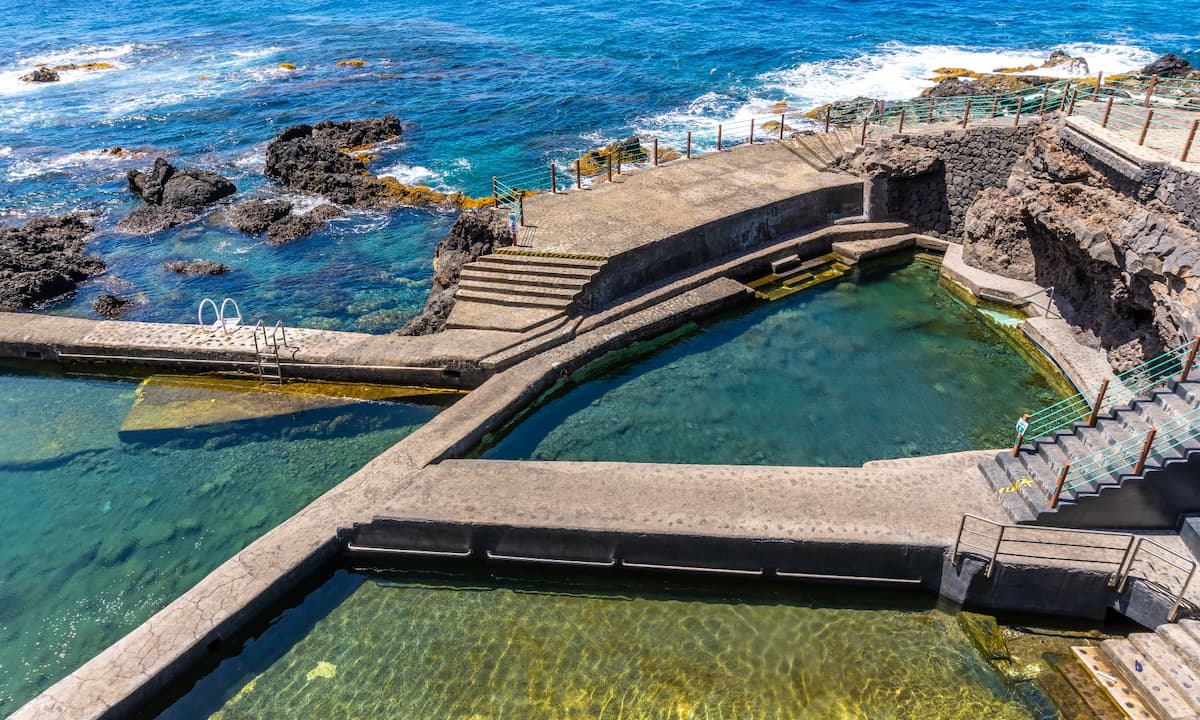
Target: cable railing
(1161, 109)
(1122, 387)
(1123, 556)
(1129, 455)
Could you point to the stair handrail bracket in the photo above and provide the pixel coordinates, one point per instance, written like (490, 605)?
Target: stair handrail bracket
(1175, 560)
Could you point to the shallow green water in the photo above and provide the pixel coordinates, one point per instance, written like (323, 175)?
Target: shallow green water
(885, 365)
(100, 534)
(437, 647)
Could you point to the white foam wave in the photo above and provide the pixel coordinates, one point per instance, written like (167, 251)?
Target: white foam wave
(39, 167)
(897, 71)
(413, 174)
(82, 54)
(257, 53)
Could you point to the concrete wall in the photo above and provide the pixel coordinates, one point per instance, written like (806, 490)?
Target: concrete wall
(972, 160)
(652, 263)
(1155, 501)
(1180, 188)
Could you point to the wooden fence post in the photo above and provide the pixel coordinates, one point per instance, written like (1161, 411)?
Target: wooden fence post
(967, 113)
(1107, 111)
(578, 174)
(1150, 90)
(1145, 127)
(1187, 144)
(1141, 463)
(1099, 400)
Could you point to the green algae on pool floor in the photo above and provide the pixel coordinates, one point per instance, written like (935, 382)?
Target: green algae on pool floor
(883, 364)
(437, 646)
(102, 533)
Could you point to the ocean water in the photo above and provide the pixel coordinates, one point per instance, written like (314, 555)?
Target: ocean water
(484, 88)
(522, 645)
(101, 532)
(882, 363)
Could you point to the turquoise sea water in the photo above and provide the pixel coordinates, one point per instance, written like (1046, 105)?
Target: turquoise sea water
(101, 533)
(484, 87)
(438, 646)
(881, 364)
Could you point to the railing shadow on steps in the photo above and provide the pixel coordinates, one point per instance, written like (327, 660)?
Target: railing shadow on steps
(1124, 556)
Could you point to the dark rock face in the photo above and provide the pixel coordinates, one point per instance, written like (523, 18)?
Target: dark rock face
(902, 161)
(172, 196)
(312, 158)
(253, 217)
(1122, 260)
(41, 75)
(198, 267)
(293, 227)
(1172, 66)
(111, 306)
(951, 87)
(475, 233)
(44, 260)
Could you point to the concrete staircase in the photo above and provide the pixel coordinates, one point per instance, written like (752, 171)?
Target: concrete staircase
(824, 151)
(1159, 671)
(1026, 483)
(518, 292)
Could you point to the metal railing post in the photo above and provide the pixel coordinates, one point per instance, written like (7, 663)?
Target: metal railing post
(1129, 565)
(1099, 400)
(1107, 112)
(1150, 90)
(1179, 598)
(1191, 358)
(995, 551)
(967, 113)
(521, 207)
(1145, 127)
(655, 152)
(1187, 144)
(689, 145)
(901, 128)
(958, 541)
(719, 129)
(1062, 478)
(495, 194)
(1141, 463)
(553, 180)
(578, 174)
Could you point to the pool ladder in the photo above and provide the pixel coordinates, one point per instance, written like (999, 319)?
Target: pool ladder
(266, 350)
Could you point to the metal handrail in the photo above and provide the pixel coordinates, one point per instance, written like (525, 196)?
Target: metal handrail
(1133, 545)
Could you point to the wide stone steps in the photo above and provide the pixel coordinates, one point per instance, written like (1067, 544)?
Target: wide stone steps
(519, 292)
(1026, 483)
(1160, 670)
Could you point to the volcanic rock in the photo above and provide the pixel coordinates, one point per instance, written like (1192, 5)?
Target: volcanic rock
(144, 221)
(111, 306)
(197, 267)
(168, 186)
(1059, 60)
(41, 75)
(1172, 66)
(293, 227)
(44, 260)
(475, 233)
(253, 217)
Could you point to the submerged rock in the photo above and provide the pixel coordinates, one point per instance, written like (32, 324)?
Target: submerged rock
(197, 267)
(172, 196)
(292, 227)
(44, 259)
(41, 75)
(475, 233)
(111, 306)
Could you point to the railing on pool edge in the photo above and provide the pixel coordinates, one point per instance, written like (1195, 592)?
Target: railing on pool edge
(1135, 98)
(1122, 387)
(1117, 553)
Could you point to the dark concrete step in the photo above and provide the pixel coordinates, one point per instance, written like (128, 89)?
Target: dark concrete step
(525, 268)
(1189, 391)
(487, 275)
(522, 290)
(544, 260)
(1011, 499)
(507, 299)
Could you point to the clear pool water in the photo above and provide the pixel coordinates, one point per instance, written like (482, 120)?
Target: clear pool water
(100, 533)
(884, 363)
(438, 646)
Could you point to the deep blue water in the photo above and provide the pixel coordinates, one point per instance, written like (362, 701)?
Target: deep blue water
(485, 87)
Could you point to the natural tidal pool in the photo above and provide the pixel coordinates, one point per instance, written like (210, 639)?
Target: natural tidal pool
(101, 533)
(435, 645)
(883, 363)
